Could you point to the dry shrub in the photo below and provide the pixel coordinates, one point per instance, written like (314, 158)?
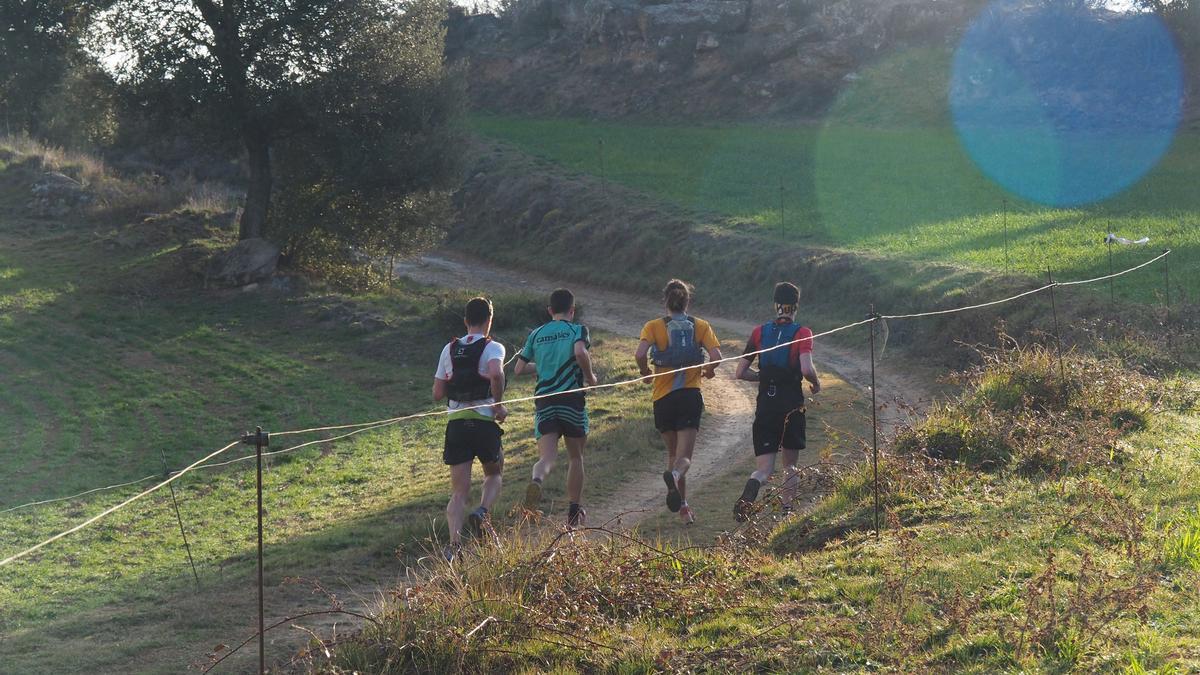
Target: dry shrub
(1024, 408)
(120, 198)
(82, 167)
(539, 597)
(1068, 621)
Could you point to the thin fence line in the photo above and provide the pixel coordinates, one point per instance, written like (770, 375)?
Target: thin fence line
(339, 427)
(1026, 293)
(368, 426)
(118, 507)
(77, 496)
(298, 447)
(1117, 274)
(968, 308)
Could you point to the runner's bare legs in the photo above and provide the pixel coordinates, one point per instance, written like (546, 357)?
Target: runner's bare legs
(492, 479)
(670, 438)
(791, 477)
(764, 466)
(460, 492)
(680, 446)
(547, 456)
(575, 469)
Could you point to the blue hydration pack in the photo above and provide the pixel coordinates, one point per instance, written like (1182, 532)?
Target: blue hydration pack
(775, 367)
(682, 350)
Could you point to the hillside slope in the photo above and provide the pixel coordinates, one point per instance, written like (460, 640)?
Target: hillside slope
(700, 59)
(703, 60)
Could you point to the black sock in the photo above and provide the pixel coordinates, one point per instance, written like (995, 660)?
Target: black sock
(750, 492)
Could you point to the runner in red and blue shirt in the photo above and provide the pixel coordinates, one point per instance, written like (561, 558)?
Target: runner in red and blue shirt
(779, 422)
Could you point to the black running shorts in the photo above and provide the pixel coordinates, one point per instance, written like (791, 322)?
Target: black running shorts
(561, 427)
(778, 428)
(679, 410)
(470, 438)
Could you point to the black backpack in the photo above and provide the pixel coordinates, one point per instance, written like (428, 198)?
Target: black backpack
(466, 384)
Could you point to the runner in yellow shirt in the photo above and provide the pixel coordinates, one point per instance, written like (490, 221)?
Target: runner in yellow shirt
(672, 342)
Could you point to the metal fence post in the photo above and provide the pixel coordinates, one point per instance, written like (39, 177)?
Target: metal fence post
(1062, 371)
(179, 519)
(874, 422)
(259, 440)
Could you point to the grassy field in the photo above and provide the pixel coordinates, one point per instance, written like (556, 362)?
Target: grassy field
(110, 355)
(883, 173)
(908, 193)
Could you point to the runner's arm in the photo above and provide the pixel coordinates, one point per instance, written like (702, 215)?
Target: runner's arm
(522, 366)
(810, 372)
(744, 372)
(714, 355)
(584, 359)
(642, 357)
(441, 376)
(496, 375)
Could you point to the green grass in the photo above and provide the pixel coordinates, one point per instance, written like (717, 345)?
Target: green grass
(882, 173)
(112, 355)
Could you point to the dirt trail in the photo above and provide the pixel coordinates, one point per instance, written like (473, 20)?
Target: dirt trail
(730, 403)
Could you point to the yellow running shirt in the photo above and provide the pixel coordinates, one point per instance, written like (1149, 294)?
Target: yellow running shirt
(655, 332)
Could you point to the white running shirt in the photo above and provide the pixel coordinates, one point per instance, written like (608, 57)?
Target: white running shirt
(445, 370)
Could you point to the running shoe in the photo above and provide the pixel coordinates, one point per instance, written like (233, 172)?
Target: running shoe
(674, 499)
(474, 526)
(576, 516)
(533, 496)
(686, 515)
(745, 503)
(450, 552)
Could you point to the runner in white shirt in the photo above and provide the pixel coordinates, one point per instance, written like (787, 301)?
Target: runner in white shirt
(470, 374)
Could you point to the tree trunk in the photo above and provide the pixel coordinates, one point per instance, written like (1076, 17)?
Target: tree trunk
(258, 192)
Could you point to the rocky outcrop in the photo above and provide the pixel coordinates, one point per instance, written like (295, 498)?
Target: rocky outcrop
(56, 195)
(690, 58)
(250, 261)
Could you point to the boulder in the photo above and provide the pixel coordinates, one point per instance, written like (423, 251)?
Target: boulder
(250, 261)
(56, 195)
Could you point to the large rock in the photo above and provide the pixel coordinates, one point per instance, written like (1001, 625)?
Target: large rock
(250, 261)
(56, 195)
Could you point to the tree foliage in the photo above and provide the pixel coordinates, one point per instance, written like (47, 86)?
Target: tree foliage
(49, 86)
(303, 76)
(380, 144)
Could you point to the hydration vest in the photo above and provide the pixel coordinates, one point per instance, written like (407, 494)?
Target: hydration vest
(682, 350)
(466, 384)
(775, 370)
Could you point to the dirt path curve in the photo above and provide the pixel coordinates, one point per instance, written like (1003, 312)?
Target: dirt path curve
(729, 402)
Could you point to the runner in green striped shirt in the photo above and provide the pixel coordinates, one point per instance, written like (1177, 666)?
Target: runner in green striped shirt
(557, 353)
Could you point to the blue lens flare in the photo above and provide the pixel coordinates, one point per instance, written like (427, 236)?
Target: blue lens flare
(1062, 104)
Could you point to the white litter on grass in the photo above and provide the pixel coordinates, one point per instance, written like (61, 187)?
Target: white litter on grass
(1114, 239)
